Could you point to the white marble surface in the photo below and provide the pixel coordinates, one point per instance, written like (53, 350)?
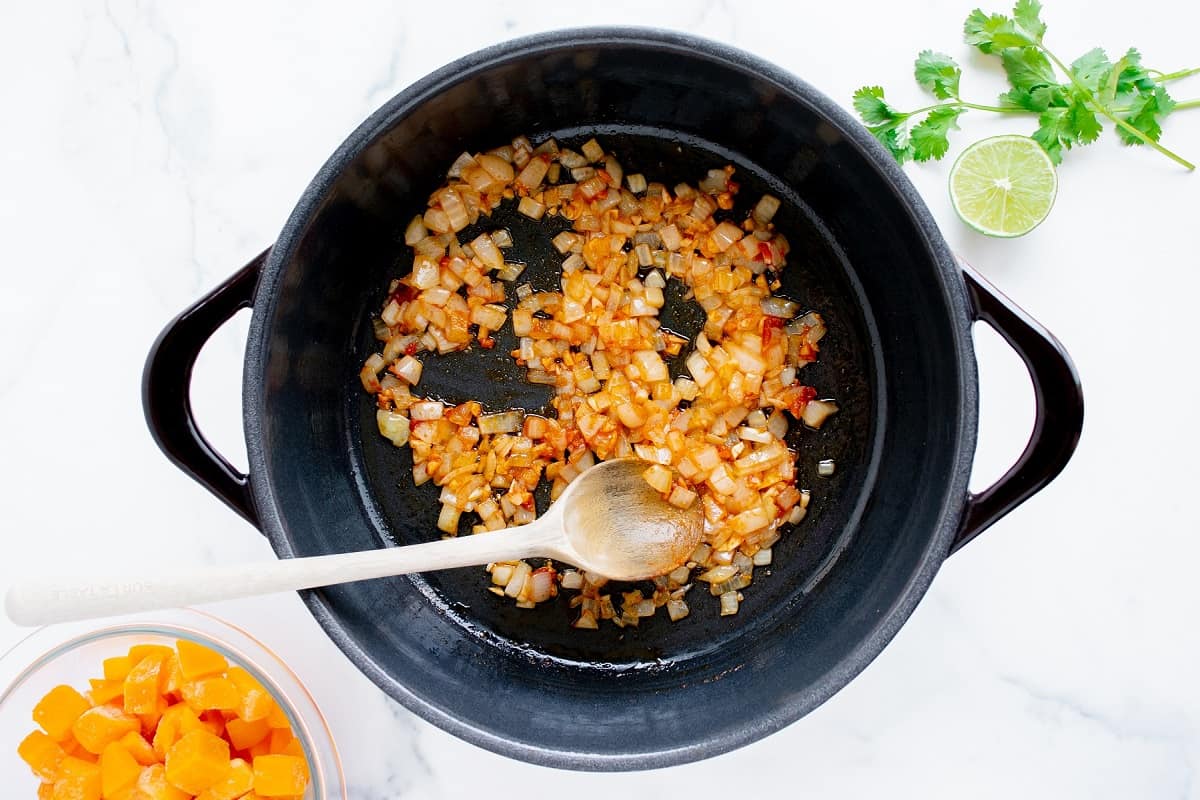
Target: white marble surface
(149, 149)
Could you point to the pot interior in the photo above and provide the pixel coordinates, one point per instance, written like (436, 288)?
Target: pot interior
(524, 682)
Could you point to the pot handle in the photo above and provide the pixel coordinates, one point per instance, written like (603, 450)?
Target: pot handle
(166, 385)
(1059, 408)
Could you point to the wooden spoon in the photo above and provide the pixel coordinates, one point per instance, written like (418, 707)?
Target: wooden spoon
(609, 521)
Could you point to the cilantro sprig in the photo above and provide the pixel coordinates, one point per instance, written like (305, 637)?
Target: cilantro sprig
(1071, 101)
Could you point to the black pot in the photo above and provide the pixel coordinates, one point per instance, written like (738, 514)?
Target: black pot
(898, 358)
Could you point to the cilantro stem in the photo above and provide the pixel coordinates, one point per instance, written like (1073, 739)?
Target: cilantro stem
(965, 104)
(1163, 77)
(1103, 109)
(1188, 104)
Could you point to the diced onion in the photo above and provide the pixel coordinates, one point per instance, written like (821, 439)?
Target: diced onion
(426, 410)
(393, 426)
(779, 307)
(817, 411)
(712, 437)
(409, 369)
(765, 209)
(503, 422)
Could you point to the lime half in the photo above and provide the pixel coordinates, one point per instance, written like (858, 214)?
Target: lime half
(1003, 186)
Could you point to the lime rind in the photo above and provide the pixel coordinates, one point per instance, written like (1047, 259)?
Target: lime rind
(1003, 186)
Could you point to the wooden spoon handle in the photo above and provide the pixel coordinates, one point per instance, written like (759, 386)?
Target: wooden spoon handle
(47, 601)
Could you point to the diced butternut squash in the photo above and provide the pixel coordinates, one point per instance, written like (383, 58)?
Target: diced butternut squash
(118, 770)
(105, 691)
(139, 748)
(176, 721)
(165, 724)
(141, 685)
(207, 694)
(198, 661)
(236, 785)
(277, 718)
(214, 722)
(140, 651)
(99, 726)
(197, 761)
(280, 739)
(153, 785)
(77, 780)
(279, 776)
(58, 710)
(42, 754)
(256, 701)
(117, 667)
(244, 735)
(294, 748)
(72, 747)
(151, 718)
(170, 679)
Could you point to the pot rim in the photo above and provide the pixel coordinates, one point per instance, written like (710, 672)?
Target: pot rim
(953, 291)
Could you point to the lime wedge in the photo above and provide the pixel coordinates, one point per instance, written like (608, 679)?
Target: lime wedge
(1003, 186)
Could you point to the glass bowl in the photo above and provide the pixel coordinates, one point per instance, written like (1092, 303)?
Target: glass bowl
(73, 652)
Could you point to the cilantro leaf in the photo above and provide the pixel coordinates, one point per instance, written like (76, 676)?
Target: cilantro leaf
(1084, 124)
(930, 136)
(896, 142)
(1070, 102)
(1062, 127)
(937, 73)
(884, 122)
(874, 110)
(1144, 114)
(1130, 75)
(1033, 80)
(1092, 69)
(1028, 14)
(991, 33)
(1052, 133)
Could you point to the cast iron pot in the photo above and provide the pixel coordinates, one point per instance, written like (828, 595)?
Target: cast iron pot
(898, 358)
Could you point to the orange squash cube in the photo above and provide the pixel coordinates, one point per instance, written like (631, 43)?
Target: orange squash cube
(197, 761)
(236, 785)
(45, 791)
(152, 784)
(280, 739)
(141, 685)
(97, 727)
(150, 719)
(209, 694)
(213, 722)
(256, 701)
(263, 748)
(118, 770)
(294, 748)
(170, 679)
(280, 776)
(139, 748)
(198, 661)
(277, 718)
(77, 780)
(104, 691)
(140, 651)
(116, 668)
(42, 754)
(176, 721)
(244, 735)
(58, 710)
